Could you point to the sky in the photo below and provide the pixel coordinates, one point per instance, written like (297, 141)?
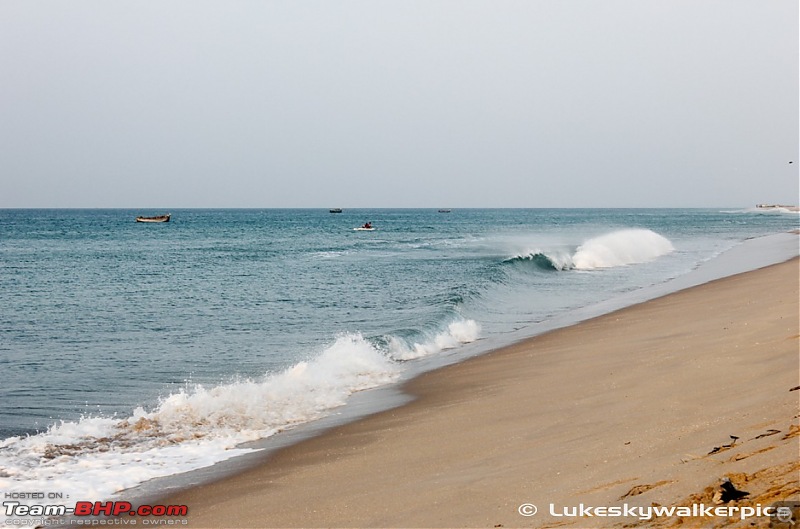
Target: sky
(385, 103)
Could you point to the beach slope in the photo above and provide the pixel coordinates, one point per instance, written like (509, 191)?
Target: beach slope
(652, 404)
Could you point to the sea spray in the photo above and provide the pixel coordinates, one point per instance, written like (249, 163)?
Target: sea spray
(623, 247)
(618, 248)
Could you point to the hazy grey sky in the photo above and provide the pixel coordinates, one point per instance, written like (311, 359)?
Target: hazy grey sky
(383, 103)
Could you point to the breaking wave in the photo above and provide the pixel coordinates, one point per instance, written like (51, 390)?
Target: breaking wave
(457, 333)
(199, 426)
(618, 248)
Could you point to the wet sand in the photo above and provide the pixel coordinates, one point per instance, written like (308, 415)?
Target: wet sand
(637, 407)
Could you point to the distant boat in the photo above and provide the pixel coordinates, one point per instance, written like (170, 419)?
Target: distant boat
(335, 210)
(444, 211)
(773, 206)
(159, 218)
(793, 209)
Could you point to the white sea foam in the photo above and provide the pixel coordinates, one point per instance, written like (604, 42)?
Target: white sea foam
(618, 248)
(95, 457)
(623, 247)
(457, 333)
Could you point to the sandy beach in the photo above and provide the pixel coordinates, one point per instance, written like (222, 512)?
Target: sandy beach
(650, 405)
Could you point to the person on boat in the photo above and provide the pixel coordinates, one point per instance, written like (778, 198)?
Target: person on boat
(367, 225)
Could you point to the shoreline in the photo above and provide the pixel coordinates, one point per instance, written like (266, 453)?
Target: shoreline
(749, 254)
(295, 476)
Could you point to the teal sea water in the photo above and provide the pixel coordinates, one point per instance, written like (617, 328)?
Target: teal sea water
(160, 348)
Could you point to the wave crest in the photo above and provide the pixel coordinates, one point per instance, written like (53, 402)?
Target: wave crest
(545, 260)
(618, 248)
(621, 248)
(457, 333)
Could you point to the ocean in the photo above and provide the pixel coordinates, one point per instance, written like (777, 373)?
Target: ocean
(134, 351)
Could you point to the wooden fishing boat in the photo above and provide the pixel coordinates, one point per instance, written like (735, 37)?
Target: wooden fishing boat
(159, 218)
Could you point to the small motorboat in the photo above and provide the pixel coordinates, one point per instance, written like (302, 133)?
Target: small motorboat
(335, 210)
(366, 227)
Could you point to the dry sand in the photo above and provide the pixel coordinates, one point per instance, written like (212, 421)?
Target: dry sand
(624, 408)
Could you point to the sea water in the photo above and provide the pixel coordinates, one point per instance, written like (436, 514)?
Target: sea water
(133, 351)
